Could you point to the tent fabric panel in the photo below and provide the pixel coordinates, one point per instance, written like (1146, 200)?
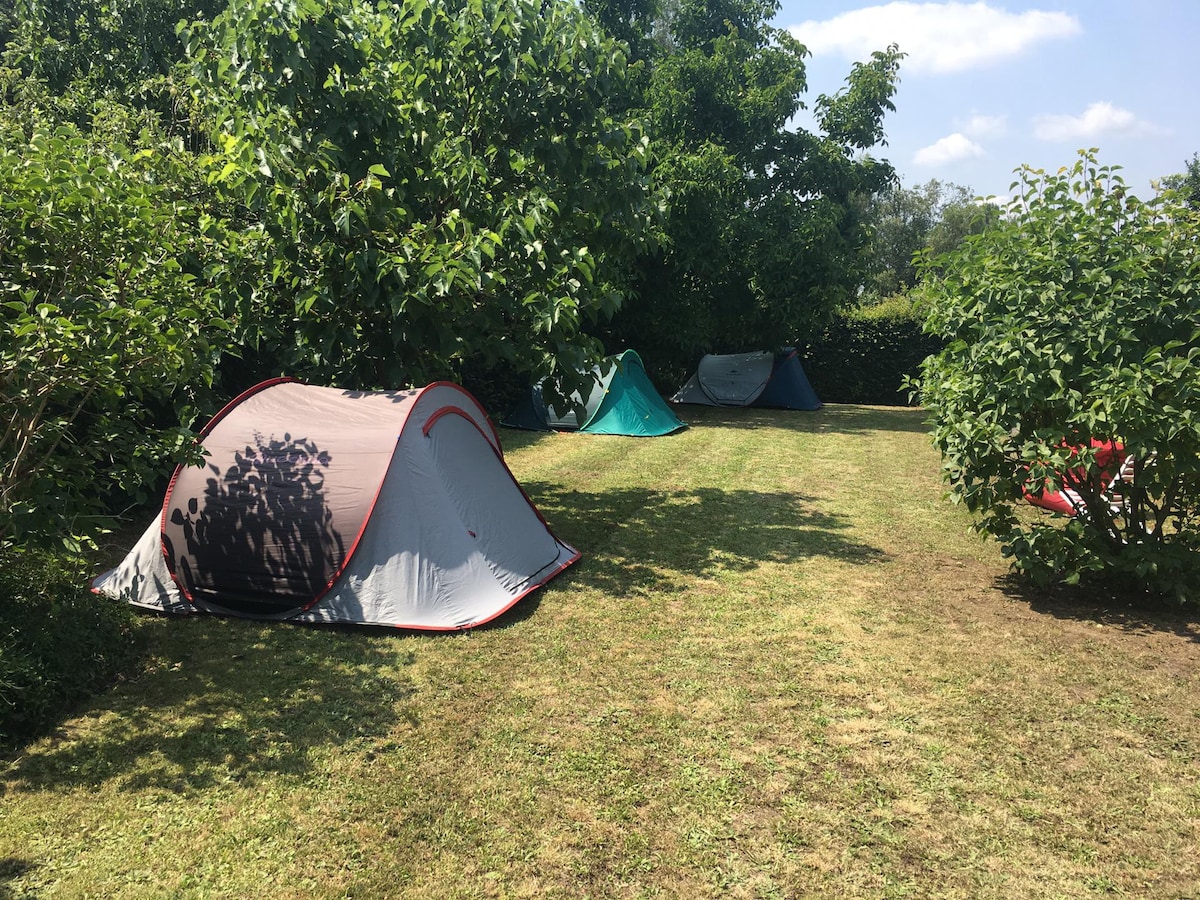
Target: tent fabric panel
(411, 570)
(603, 377)
(529, 413)
(430, 404)
(789, 387)
(240, 399)
(735, 379)
(491, 509)
(568, 420)
(268, 522)
(693, 393)
(142, 577)
(477, 547)
(632, 405)
(750, 379)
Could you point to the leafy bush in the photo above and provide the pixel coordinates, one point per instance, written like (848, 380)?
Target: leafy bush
(108, 320)
(59, 643)
(1075, 323)
(436, 182)
(865, 355)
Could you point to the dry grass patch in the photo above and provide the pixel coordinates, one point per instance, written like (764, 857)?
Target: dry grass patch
(783, 669)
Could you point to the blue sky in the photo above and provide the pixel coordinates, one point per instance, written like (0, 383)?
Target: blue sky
(989, 86)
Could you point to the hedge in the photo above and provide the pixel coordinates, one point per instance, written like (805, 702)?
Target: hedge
(864, 355)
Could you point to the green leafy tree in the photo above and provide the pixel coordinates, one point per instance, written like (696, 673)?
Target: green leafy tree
(123, 49)
(8, 22)
(109, 325)
(905, 222)
(900, 221)
(762, 240)
(632, 22)
(437, 183)
(959, 218)
(1076, 322)
(1187, 183)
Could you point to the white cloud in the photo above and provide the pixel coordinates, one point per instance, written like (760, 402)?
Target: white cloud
(985, 126)
(1097, 120)
(949, 149)
(938, 37)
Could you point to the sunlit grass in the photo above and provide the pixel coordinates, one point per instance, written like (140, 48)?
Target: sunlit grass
(783, 669)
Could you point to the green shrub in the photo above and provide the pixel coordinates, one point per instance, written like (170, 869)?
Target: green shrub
(108, 326)
(59, 643)
(1073, 323)
(864, 355)
(411, 220)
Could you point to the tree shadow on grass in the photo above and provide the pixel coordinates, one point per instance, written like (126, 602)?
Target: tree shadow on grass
(232, 700)
(637, 539)
(226, 700)
(834, 419)
(1100, 605)
(12, 868)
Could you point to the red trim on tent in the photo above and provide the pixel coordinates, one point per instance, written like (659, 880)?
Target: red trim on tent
(575, 557)
(204, 432)
(495, 439)
(447, 410)
(452, 411)
(353, 548)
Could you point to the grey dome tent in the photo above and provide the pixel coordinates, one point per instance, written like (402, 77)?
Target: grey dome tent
(622, 401)
(750, 379)
(315, 504)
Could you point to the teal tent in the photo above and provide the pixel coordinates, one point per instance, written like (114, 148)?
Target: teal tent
(622, 401)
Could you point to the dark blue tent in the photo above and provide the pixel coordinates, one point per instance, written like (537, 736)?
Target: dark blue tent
(750, 379)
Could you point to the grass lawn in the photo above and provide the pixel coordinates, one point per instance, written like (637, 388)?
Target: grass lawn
(782, 669)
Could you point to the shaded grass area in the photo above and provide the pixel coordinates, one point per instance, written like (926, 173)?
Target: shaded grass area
(782, 669)
(59, 645)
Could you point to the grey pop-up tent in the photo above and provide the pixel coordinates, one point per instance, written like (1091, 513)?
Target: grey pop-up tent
(315, 504)
(750, 379)
(621, 401)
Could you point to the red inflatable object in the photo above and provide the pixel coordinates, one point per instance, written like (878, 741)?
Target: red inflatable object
(1109, 455)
